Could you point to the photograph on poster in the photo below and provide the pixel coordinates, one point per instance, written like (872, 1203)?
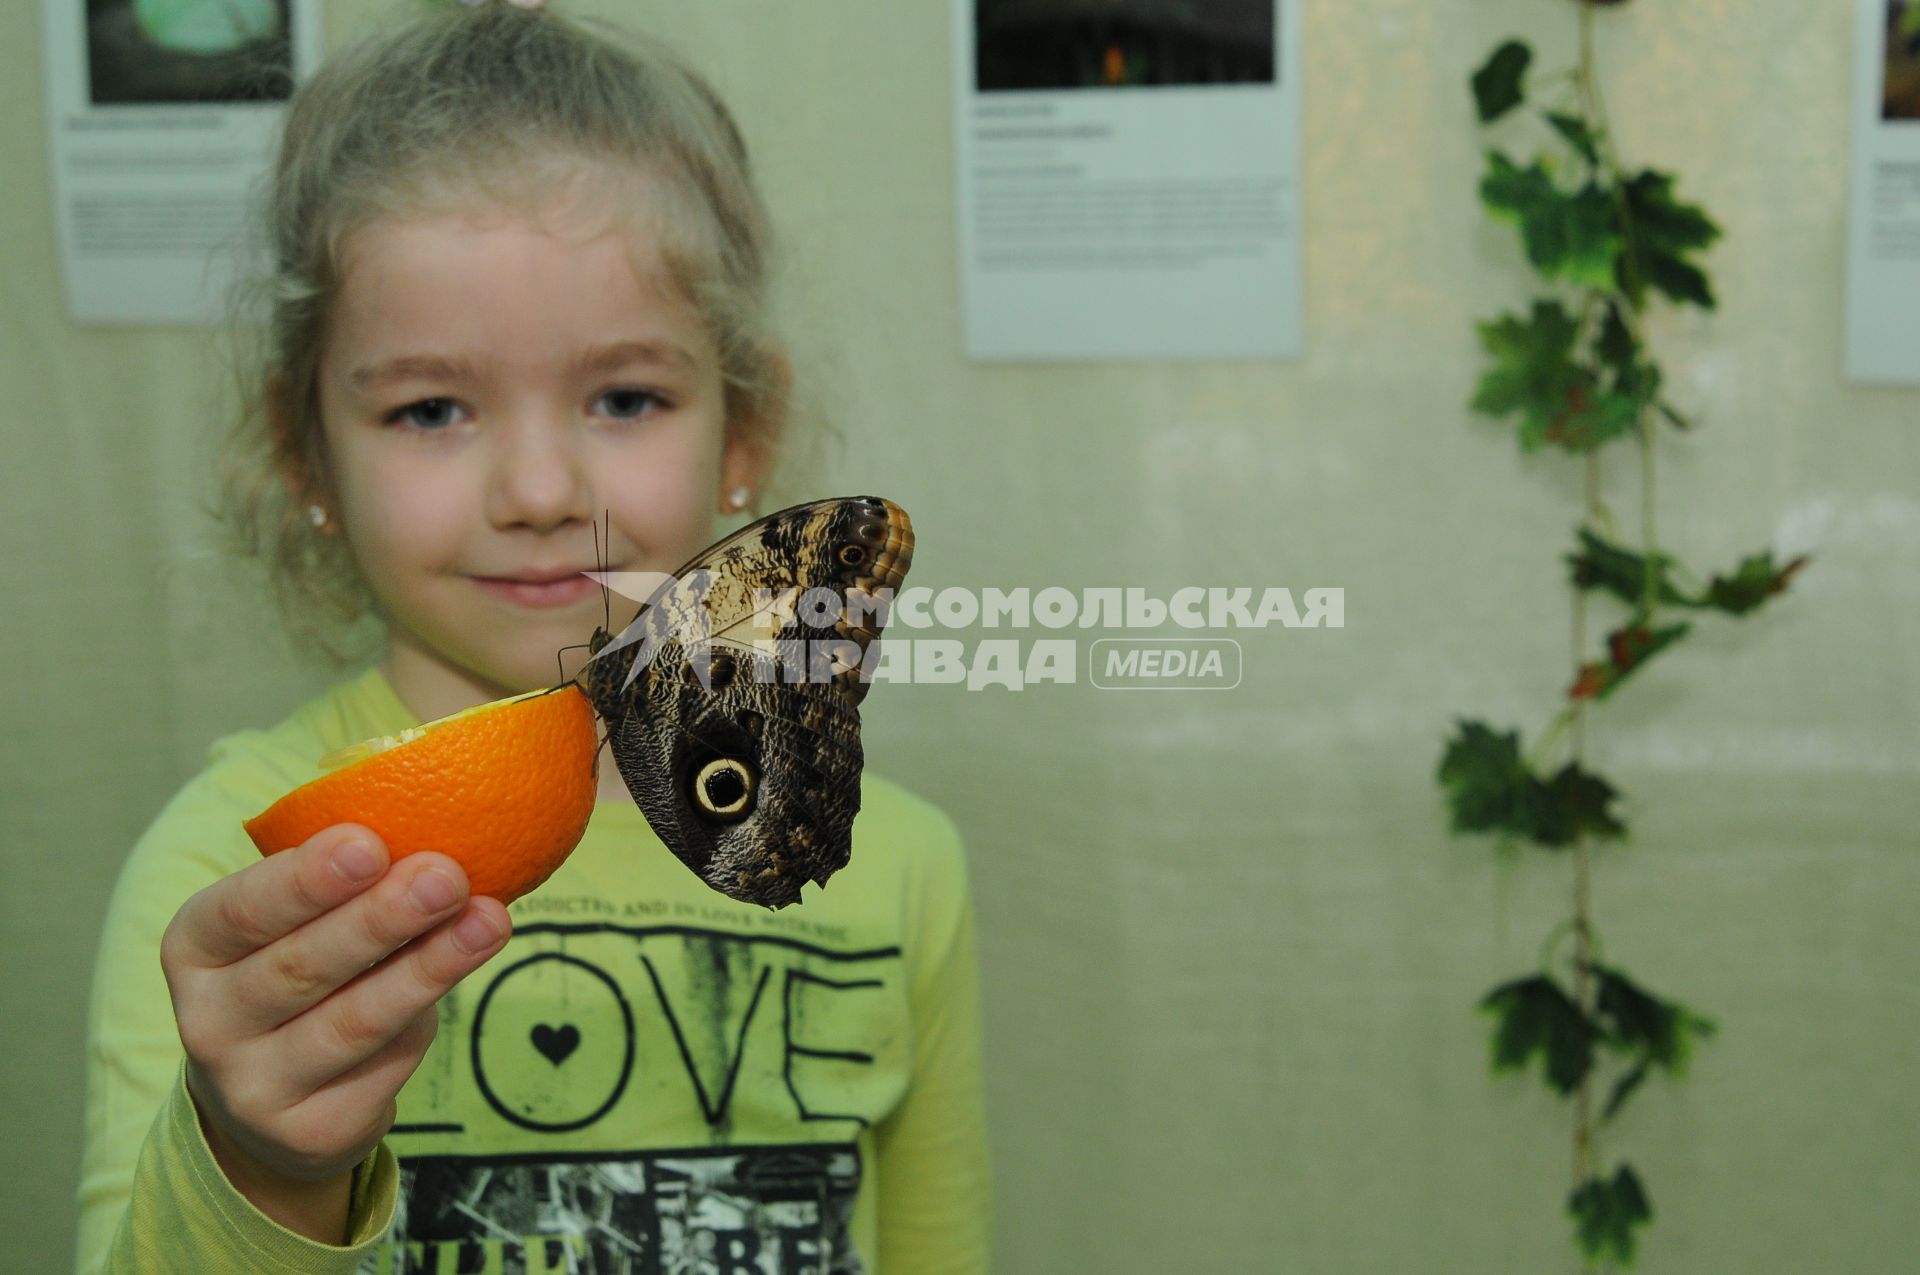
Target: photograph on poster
(1900, 89)
(154, 52)
(1156, 219)
(1076, 44)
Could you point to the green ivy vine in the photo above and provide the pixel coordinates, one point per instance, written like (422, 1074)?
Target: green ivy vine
(1576, 373)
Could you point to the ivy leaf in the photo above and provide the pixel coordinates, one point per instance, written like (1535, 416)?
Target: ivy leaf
(1491, 789)
(1621, 572)
(1628, 647)
(1485, 779)
(1510, 192)
(1533, 372)
(1571, 804)
(1606, 1214)
(1533, 1016)
(1680, 280)
(1676, 226)
(1619, 352)
(1756, 580)
(1616, 346)
(1662, 231)
(1586, 231)
(1633, 1019)
(1640, 383)
(1910, 23)
(1623, 1089)
(1578, 135)
(1568, 236)
(1592, 418)
(1496, 85)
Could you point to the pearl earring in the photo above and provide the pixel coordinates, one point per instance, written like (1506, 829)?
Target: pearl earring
(317, 516)
(737, 498)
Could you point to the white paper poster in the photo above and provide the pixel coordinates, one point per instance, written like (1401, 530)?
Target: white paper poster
(1129, 178)
(1883, 231)
(160, 118)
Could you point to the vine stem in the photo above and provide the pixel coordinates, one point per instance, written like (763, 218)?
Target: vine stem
(1596, 111)
(1650, 594)
(1622, 301)
(1583, 1140)
(1584, 1151)
(1549, 944)
(1543, 747)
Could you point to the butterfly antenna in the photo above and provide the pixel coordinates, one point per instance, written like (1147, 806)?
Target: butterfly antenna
(600, 550)
(562, 665)
(600, 560)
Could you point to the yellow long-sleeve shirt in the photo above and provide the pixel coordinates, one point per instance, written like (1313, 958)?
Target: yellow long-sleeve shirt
(649, 1074)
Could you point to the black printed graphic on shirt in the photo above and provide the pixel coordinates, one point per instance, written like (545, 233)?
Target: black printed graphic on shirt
(700, 1211)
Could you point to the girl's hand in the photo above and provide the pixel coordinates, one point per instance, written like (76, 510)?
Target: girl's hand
(304, 988)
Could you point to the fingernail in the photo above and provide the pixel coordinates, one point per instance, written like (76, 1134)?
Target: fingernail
(476, 932)
(356, 861)
(433, 892)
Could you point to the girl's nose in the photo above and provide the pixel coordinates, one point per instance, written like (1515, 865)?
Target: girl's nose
(540, 478)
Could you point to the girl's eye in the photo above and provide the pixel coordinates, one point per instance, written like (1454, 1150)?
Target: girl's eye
(429, 414)
(629, 403)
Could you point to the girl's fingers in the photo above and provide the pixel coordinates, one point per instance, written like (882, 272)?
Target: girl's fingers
(262, 903)
(310, 1136)
(359, 1102)
(289, 977)
(358, 1022)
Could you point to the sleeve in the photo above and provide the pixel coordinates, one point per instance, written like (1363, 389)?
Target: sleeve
(152, 1198)
(935, 1189)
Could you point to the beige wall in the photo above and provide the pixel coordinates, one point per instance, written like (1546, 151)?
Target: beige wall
(1229, 953)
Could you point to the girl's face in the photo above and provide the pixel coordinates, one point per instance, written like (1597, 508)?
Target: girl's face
(490, 389)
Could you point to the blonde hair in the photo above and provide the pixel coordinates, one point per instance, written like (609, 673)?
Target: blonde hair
(505, 103)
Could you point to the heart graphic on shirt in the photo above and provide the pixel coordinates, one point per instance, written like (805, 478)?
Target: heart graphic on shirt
(556, 1043)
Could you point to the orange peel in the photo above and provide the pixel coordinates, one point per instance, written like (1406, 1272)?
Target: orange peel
(505, 789)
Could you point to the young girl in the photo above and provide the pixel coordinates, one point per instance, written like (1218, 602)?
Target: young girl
(519, 275)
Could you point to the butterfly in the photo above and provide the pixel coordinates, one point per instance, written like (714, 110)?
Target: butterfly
(732, 702)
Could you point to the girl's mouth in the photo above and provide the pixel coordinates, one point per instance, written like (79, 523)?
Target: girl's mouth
(552, 593)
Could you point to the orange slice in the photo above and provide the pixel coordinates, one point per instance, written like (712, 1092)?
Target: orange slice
(505, 789)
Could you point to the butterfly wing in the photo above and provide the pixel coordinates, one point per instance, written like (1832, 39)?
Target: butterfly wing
(732, 701)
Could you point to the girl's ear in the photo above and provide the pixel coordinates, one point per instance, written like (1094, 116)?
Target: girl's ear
(753, 439)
